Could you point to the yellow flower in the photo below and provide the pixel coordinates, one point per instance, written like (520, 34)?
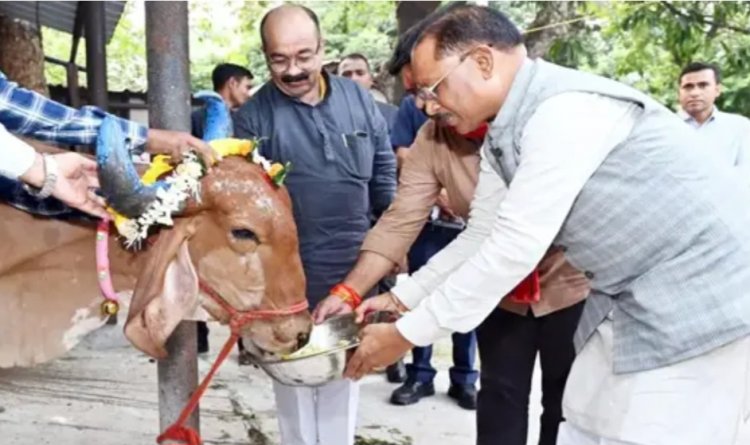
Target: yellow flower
(158, 167)
(275, 169)
(193, 170)
(232, 147)
(119, 219)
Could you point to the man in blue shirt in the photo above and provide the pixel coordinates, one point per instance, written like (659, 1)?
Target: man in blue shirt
(233, 83)
(409, 119)
(437, 233)
(356, 67)
(343, 168)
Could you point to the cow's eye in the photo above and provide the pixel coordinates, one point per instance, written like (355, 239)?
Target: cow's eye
(244, 235)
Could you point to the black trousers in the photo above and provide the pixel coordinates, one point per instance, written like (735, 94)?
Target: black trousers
(508, 344)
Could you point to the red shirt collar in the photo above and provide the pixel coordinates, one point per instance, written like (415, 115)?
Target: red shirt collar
(477, 133)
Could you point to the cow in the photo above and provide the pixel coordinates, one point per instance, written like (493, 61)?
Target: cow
(238, 238)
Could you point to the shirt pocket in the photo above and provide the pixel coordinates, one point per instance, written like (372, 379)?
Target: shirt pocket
(359, 153)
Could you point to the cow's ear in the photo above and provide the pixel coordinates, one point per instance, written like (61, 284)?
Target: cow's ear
(166, 290)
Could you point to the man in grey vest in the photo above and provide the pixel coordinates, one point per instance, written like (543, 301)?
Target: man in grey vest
(614, 179)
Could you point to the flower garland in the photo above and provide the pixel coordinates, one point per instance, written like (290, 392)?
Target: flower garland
(184, 183)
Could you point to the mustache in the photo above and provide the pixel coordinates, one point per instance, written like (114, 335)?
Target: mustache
(288, 78)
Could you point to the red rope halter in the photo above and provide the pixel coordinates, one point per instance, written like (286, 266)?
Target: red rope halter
(178, 431)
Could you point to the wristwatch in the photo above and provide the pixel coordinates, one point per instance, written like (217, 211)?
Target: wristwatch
(50, 179)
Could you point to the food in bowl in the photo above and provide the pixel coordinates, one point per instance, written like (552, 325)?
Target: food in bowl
(313, 349)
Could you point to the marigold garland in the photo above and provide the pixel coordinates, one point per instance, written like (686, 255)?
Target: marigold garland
(184, 183)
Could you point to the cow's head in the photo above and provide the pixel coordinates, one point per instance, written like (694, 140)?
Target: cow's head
(239, 239)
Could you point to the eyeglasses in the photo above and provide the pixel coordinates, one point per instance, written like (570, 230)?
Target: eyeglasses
(281, 64)
(427, 94)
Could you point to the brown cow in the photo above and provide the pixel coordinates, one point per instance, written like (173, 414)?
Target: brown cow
(240, 240)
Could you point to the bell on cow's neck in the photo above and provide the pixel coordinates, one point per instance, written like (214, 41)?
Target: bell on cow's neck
(110, 307)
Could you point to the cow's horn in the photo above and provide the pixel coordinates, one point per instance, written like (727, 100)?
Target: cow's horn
(119, 181)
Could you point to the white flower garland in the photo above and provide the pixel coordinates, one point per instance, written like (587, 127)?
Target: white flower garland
(257, 158)
(182, 185)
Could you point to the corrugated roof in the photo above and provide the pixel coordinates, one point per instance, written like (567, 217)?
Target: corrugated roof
(60, 15)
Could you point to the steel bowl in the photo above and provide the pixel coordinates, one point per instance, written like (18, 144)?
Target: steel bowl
(322, 360)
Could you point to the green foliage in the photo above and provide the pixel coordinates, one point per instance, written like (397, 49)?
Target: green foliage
(126, 53)
(362, 27)
(224, 31)
(56, 44)
(644, 44)
(228, 31)
(522, 13)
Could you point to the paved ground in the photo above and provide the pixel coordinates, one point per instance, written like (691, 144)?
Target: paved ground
(105, 393)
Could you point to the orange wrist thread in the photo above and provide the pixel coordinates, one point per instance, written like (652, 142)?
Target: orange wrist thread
(347, 295)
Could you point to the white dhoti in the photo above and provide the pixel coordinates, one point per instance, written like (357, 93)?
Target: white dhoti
(325, 415)
(701, 401)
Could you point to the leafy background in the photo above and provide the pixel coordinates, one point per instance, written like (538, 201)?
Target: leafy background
(644, 44)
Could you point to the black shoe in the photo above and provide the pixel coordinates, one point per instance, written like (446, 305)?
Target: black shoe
(202, 337)
(396, 373)
(203, 346)
(465, 395)
(411, 392)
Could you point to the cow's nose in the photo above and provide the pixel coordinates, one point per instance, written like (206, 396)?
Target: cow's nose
(302, 339)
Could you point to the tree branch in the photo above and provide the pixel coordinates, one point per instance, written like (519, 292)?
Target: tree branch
(549, 13)
(702, 19)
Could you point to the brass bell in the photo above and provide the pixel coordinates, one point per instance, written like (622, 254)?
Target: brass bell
(110, 307)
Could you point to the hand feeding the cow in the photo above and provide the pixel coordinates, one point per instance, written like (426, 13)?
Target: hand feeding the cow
(235, 235)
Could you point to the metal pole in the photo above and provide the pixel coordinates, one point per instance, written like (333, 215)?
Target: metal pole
(96, 53)
(71, 70)
(169, 108)
(74, 94)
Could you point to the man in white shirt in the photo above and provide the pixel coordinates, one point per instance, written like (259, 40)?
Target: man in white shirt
(727, 134)
(611, 177)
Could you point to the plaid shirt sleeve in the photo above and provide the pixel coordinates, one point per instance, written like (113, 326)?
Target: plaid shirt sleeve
(28, 113)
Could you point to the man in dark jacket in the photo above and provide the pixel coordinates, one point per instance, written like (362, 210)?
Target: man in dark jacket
(343, 170)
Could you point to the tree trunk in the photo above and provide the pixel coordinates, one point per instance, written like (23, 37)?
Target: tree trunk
(408, 13)
(21, 55)
(538, 42)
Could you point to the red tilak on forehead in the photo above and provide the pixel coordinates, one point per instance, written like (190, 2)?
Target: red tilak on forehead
(268, 179)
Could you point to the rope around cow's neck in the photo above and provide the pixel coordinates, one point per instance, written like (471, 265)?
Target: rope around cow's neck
(178, 431)
(110, 305)
(274, 174)
(134, 233)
